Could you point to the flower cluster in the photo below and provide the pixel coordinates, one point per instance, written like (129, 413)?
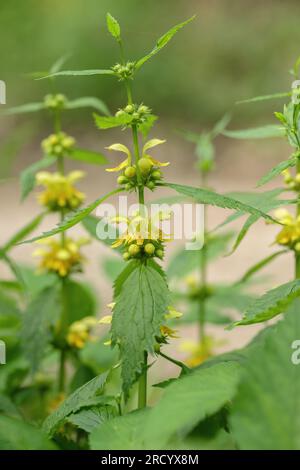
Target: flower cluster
(123, 72)
(148, 167)
(80, 332)
(55, 102)
(134, 114)
(58, 144)
(198, 353)
(60, 192)
(61, 256)
(143, 237)
(289, 235)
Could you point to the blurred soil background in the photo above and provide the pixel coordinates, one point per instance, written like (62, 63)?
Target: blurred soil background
(233, 50)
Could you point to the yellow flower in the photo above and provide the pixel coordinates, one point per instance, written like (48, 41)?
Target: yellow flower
(128, 161)
(60, 257)
(168, 332)
(290, 233)
(143, 235)
(60, 192)
(80, 332)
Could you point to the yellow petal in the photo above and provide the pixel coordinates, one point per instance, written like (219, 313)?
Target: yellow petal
(75, 176)
(157, 162)
(120, 148)
(152, 143)
(172, 313)
(111, 305)
(119, 167)
(107, 343)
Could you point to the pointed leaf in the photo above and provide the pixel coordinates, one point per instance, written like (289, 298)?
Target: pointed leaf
(162, 42)
(73, 218)
(209, 197)
(260, 265)
(77, 73)
(271, 304)
(28, 175)
(277, 170)
(113, 27)
(88, 102)
(23, 232)
(274, 96)
(256, 132)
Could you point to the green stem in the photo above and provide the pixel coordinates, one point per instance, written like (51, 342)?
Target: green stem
(297, 255)
(62, 371)
(174, 361)
(203, 274)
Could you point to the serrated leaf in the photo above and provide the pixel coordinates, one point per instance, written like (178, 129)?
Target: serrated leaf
(87, 156)
(205, 196)
(185, 402)
(77, 73)
(40, 314)
(88, 102)
(89, 419)
(277, 170)
(263, 132)
(74, 403)
(113, 27)
(271, 304)
(16, 434)
(73, 218)
(27, 179)
(162, 42)
(273, 96)
(23, 233)
(141, 299)
(265, 414)
(24, 108)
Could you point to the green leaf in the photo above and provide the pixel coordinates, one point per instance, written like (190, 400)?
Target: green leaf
(113, 27)
(162, 42)
(221, 125)
(260, 265)
(89, 419)
(19, 435)
(80, 300)
(74, 403)
(23, 232)
(24, 108)
(88, 102)
(271, 304)
(40, 315)
(185, 402)
(141, 298)
(108, 122)
(274, 96)
(77, 73)
(59, 63)
(205, 196)
(121, 433)
(277, 170)
(87, 156)
(263, 132)
(28, 175)
(264, 414)
(73, 218)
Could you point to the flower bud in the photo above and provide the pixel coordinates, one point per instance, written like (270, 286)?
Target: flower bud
(130, 172)
(133, 250)
(143, 109)
(145, 165)
(159, 254)
(136, 116)
(150, 185)
(156, 174)
(128, 186)
(297, 247)
(149, 248)
(126, 256)
(122, 179)
(129, 109)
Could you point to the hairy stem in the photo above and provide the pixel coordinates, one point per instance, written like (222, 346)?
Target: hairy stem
(203, 274)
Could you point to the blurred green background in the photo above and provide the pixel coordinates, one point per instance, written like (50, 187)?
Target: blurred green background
(233, 50)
